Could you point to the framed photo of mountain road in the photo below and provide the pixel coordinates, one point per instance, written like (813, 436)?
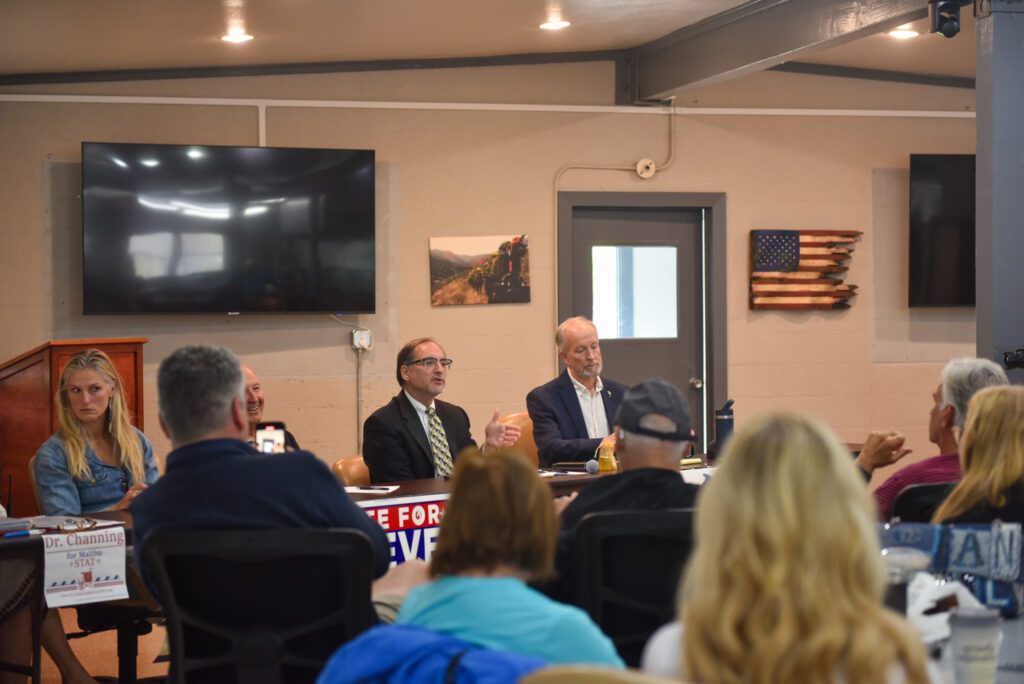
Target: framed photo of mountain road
(490, 269)
(801, 269)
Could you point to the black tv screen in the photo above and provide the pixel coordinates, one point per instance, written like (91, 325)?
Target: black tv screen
(942, 245)
(201, 228)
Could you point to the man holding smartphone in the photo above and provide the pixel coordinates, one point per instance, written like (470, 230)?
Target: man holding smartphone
(214, 480)
(254, 411)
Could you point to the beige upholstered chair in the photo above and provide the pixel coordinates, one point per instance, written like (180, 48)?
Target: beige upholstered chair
(590, 674)
(351, 471)
(525, 443)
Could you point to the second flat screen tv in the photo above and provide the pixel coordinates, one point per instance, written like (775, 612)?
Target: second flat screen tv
(200, 228)
(942, 245)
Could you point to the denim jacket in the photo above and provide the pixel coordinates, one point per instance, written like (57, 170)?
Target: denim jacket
(60, 494)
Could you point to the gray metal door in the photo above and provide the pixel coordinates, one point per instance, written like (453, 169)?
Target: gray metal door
(639, 272)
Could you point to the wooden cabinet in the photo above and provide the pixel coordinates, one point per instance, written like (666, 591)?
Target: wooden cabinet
(28, 416)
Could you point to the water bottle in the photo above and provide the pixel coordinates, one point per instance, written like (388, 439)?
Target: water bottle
(723, 427)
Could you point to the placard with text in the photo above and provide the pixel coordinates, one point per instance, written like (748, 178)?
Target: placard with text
(84, 567)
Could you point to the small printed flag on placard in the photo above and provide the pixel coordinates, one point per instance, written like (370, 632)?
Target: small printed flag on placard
(800, 269)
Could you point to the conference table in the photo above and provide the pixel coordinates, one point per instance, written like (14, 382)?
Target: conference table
(410, 514)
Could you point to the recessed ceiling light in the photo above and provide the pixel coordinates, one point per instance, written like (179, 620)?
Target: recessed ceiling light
(554, 25)
(195, 154)
(149, 162)
(236, 38)
(903, 32)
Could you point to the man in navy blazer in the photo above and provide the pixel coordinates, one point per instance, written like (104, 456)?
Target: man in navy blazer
(395, 442)
(576, 411)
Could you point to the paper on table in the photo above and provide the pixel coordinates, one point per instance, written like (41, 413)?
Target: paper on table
(372, 489)
(560, 473)
(697, 476)
(14, 524)
(923, 593)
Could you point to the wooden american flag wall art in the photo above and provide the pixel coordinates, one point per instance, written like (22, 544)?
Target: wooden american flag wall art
(800, 269)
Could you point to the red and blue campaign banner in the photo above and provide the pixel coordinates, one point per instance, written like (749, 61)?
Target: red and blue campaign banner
(411, 523)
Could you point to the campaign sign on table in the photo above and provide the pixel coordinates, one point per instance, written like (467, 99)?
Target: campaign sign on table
(411, 524)
(85, 567)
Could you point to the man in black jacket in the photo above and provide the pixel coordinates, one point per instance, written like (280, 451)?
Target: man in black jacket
(653, 433)
(416, 435)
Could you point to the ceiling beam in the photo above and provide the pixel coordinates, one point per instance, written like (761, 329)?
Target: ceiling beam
(813, 69)
(759, 35)
(308, 68)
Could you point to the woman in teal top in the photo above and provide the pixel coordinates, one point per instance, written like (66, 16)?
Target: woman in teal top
(498, 532)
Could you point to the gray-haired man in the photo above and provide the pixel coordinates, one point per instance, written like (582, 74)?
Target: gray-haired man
(214, 479)
(961, 379)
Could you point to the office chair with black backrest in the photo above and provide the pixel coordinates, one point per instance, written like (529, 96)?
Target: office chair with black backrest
(917, 503)
(628, 565)
(24, 557)
(259, 606)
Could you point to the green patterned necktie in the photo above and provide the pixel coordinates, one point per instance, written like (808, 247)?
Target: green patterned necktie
(439, 446)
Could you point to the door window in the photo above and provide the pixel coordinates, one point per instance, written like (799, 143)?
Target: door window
(634, 291)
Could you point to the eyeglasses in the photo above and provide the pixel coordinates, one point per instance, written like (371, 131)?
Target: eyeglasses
(429, 362)
(77, 524)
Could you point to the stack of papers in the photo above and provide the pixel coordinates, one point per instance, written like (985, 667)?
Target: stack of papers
(14, 524)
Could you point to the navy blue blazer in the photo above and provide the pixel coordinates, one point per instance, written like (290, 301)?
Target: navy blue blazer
(395, 446)
(558, 426)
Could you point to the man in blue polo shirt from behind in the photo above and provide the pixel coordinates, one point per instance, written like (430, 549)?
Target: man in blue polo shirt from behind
(215, 480)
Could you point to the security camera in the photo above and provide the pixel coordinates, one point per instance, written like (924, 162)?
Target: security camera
(945, 17)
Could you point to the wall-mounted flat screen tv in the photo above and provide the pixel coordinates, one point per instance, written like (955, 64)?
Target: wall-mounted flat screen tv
(942, 245)
(201, 228)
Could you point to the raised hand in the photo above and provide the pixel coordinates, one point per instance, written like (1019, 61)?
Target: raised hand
(500, 434)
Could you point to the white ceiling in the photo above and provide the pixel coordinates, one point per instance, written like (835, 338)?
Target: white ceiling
(62, 36)
(86, 35)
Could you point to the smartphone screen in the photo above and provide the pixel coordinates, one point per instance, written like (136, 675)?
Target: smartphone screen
(270, 437)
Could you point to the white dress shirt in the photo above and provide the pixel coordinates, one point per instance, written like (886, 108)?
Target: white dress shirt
(421, 411)
(592, 406)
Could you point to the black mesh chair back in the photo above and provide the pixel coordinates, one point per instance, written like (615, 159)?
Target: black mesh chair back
(628, 566)
(259, 606)
(23, 558)
(917, 503)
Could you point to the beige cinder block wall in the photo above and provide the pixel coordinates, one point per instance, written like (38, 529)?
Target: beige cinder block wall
(461, 170)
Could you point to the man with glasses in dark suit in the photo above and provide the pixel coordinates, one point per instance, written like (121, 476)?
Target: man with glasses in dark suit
(416, 435)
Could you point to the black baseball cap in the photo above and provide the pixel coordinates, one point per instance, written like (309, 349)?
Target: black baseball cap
(655, 396)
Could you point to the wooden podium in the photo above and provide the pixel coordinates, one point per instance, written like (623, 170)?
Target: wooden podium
(28, 416)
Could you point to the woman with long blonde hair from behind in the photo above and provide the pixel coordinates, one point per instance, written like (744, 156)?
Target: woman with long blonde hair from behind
(992, 460)
(786, 579)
